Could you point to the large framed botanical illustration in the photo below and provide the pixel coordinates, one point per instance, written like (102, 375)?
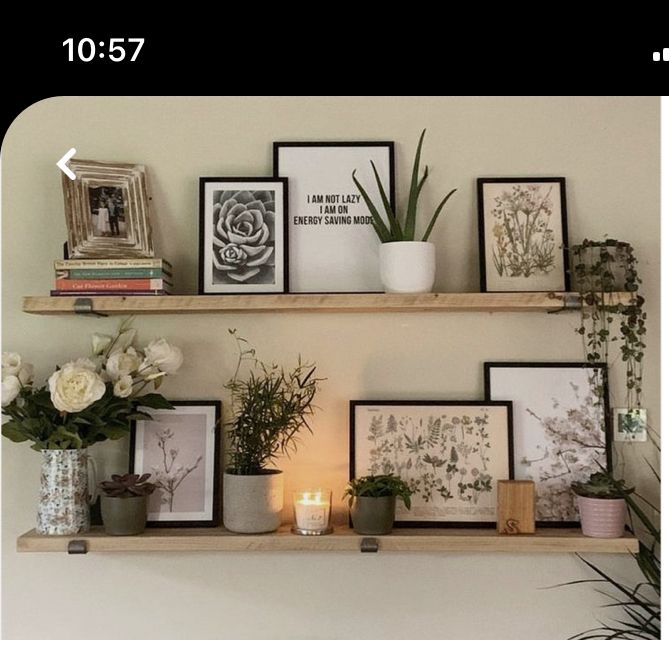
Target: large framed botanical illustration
(561, 428)
(451, 453)
(243, 243)
(180, 448)
(333, 246)
(107, 210)
(523, 243)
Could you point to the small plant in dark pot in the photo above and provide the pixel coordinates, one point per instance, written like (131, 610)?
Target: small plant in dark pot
(601, 502)
(372, 501)
(124, 503)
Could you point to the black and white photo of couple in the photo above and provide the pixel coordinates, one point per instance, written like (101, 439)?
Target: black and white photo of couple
(107, 211)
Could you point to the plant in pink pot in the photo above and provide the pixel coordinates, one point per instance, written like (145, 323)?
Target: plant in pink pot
(602, 505)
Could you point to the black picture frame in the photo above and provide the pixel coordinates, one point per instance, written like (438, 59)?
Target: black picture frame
(354, 404)
(215, 519)
(608, 436)
(363, 166)
(281, 285)
(561, 181)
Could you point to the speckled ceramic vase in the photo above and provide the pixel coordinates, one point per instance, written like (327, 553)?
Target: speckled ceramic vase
(252, 504)
(63, 500)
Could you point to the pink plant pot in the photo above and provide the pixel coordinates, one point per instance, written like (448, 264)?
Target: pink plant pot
(603, 518)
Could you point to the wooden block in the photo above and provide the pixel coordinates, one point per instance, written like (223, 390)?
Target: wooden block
(515, 507)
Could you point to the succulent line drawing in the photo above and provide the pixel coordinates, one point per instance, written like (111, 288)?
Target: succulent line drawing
(524, 241)
(444, 458)
(243, 238)
(171, 474)
(574, 447)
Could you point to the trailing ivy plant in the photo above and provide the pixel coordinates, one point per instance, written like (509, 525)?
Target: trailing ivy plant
(269, 409)
(595, 264)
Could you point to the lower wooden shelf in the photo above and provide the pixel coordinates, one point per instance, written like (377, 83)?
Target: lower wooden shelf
(342, 540)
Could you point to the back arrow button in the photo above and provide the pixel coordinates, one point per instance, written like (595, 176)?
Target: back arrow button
(63, 161)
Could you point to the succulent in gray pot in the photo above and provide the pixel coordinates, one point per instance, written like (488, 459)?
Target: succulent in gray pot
(602, 505)
(123, 503)
(372, 500)
(269, 409)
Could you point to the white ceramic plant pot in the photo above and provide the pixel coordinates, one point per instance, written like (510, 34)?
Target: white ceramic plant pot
(603, 518)
(407, 266)
(252, 503)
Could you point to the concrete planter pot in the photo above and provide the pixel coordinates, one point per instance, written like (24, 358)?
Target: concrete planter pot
(407, 266)
(602, 518)
(373, 515)
(252, 504)
(123, 516)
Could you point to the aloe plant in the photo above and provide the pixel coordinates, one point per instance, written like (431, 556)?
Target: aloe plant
(399, 229)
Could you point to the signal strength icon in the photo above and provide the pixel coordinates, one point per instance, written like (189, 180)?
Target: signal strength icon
(661, 56)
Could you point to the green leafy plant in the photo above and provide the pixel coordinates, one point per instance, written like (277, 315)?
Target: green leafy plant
(128, 485)
(601, 485)
(87, 400)
(400, 228)
(378, 486)
(600, 269)
(270, 407)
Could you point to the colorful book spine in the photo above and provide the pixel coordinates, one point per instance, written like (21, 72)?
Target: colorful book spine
(111, 263)
(117, 272)
(109, 293)
(118, 285)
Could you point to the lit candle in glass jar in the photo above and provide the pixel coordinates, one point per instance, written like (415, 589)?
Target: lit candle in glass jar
(312, 511)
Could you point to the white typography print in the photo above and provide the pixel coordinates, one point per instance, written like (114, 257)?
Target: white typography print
(450, 455)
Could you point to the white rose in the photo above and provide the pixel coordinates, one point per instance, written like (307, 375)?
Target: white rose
(123, 387)
(122, 364)
(99, 342)
(11, 363)
(26, 373)
(160, 353)
(10, 389)
(73, 388)
(124, 340)
(84, 363)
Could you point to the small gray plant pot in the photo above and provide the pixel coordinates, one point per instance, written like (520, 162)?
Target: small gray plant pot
(123, 516)
(252, 504)
(373, 515)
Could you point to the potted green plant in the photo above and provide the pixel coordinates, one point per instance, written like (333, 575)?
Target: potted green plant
(602, 505)
(85, 401)
(269, 407)
(124, 502)
(406, 264)
(372, 500)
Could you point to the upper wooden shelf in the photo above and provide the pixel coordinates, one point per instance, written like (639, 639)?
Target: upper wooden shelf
(464, 302)
(343, 540)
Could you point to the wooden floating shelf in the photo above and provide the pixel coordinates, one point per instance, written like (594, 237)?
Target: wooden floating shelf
(342, 540)
(271, 303)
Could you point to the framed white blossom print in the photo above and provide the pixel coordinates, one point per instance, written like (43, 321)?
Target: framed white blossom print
(450, 453)
(180, 448)
(523, 244)
(243, 242)
(561, 431)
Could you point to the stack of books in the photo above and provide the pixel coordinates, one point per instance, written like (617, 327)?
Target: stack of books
(110, 276)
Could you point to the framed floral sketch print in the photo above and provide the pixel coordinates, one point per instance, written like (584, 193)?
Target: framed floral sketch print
(451, 453)
(523, 244)
(180, 448)
(561, 428)
(243, 243)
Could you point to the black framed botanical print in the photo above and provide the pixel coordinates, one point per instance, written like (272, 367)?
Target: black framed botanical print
(333, 246)
(523, 243)
(243, 243)
(451, 454)
(180, 448)
(561, 429)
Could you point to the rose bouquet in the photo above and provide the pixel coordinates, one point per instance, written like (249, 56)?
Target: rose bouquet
(87, 400)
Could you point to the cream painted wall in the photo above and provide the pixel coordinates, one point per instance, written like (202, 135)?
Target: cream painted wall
(608, 148)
